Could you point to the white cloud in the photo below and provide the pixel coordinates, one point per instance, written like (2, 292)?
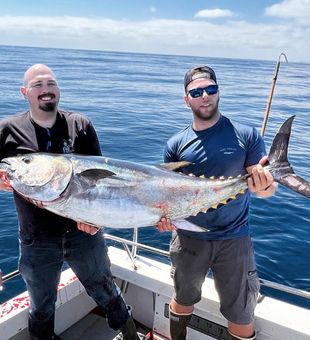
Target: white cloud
(234, 39)
(294, 9)
(214, 13)
(153, 9)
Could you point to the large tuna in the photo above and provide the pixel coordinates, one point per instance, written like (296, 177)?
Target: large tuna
(120, 194)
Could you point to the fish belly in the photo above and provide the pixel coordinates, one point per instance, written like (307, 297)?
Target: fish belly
(107, 213)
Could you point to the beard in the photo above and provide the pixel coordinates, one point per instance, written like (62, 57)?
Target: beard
(47, 107)
(205, 116)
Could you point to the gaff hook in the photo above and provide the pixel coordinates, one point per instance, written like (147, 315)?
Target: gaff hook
(275, 76)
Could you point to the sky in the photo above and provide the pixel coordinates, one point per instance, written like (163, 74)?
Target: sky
(257, 29)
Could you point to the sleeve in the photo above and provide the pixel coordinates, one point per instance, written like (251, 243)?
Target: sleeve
(87, 142)
(256, 148)
(170, 154)
(2, 153)
(92, 141)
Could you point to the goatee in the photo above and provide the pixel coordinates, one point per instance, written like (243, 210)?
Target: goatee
(47, 107)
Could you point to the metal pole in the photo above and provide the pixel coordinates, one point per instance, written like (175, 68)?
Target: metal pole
(134, 248)
(275, 76)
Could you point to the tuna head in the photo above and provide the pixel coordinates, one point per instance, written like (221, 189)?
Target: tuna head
(40, 177)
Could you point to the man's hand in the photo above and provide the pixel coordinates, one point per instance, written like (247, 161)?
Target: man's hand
(4, 181)
(261, 182)
(87, 228)
(165, 224)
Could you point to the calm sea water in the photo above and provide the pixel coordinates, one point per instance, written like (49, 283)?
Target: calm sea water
(136, 103)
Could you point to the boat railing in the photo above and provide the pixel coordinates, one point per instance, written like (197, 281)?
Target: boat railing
(132, 254)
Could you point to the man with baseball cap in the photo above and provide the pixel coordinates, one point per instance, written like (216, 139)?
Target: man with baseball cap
(216, 146)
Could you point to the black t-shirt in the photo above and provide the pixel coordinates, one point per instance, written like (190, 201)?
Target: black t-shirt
(72, 132)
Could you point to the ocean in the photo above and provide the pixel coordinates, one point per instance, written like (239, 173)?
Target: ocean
(135, 102)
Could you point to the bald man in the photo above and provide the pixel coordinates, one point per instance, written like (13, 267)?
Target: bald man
(46, 240)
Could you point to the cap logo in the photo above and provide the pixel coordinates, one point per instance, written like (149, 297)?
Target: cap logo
(198, 75)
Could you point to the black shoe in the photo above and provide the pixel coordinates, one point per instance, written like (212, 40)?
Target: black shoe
(129, 330)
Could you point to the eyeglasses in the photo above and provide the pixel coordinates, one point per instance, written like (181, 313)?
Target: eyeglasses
(198, 92)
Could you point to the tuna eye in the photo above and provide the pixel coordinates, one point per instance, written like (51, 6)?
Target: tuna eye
(27, 160)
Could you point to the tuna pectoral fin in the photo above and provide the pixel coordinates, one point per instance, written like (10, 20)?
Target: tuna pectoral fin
(95, 174)
(279, 166)
(174, 165)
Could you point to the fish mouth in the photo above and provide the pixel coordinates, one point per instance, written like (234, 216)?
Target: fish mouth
(6, 166)
(6, 161)
(6, 172)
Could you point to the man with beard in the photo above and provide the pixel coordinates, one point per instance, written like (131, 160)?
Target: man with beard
(216, 146)
(46, 240)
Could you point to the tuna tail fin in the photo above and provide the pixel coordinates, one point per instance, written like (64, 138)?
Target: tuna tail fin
(280, 167)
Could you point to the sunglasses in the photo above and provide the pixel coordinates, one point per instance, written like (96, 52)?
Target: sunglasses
(198, 92)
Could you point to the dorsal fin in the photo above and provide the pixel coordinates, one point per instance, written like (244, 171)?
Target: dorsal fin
(174, 165)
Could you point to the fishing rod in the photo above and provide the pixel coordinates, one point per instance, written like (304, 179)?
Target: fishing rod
(275, 76)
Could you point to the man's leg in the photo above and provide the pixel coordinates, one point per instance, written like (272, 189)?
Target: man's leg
(237, 283)
(179, 318)
(40, 266)
(241, 332)
(88, 258)
(189, 267)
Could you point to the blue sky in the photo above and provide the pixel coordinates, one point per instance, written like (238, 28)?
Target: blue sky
(260, 29)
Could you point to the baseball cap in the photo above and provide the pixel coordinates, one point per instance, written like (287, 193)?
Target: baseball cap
(197, 73)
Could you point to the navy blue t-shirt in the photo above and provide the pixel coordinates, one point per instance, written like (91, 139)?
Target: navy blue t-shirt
(225, 149)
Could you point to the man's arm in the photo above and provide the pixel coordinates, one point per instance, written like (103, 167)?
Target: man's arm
(261, 182)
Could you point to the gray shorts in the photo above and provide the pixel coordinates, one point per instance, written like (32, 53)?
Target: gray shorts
(234, 271)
